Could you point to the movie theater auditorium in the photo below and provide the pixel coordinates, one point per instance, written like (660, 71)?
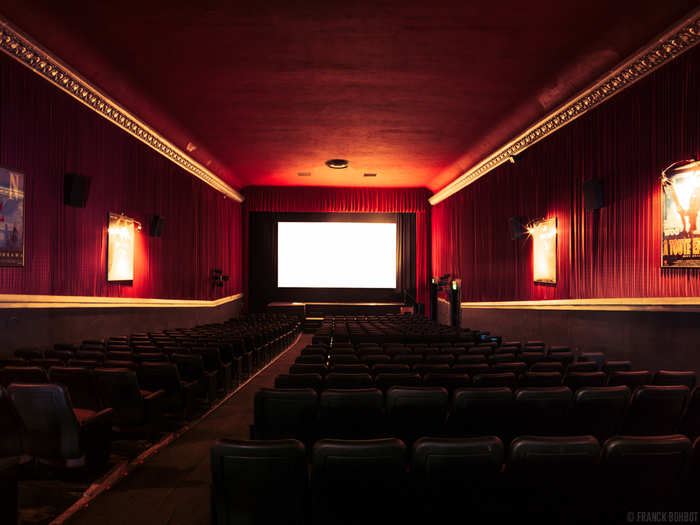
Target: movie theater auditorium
(311, 263)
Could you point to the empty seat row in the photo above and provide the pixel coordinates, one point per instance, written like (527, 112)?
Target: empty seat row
(410, 412)
(547, 480)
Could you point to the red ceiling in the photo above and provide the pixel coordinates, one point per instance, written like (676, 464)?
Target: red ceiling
(413, 91)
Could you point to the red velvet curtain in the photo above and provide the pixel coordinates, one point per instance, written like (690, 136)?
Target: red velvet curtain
(45, 134)
(352, 200)
(612, 252)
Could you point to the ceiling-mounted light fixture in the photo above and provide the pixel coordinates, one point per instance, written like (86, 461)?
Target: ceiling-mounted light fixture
(337, 164)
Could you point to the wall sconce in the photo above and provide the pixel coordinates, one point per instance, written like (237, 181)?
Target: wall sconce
(544, 250)
(120, 247)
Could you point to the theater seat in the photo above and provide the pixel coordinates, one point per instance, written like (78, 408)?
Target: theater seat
(286, 413)
(314, 359)
(314, 381)
(631, 378)
(449, 381)
(136, 412)
(555, 477)
(537, 379)
(336, 380)
(55, 431)
(599, 411)
(194, 377)
(395, 368)
(489, 380)
(359, 482)
(673, 377)
(481, 412)
(352, 414)
(517, 367)
(350, 369)
(616, 366)
(258, 482)
(583, 366)
(655, 410)
(178, 395)
(386, 381)
(308, 369)
(22, 374)
(11, 430)
(576, 380)
(547, 366)
(414, 412)
(451, 475)
(374, 359)
(691, 420)
(542, 411)
(644, 472)
(80, 384)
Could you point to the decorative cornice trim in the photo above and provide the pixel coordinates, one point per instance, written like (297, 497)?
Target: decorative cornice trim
(626, 304)
(682, 37)
(68, 301)
(33, 56)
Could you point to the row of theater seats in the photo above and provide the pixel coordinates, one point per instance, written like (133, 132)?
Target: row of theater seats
(411, 412)
(68, 415)
(573, 479)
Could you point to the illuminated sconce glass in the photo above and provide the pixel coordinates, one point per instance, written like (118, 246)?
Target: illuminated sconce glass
(544, 251)
(120, 248)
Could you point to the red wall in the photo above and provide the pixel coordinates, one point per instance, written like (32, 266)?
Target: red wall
(45, 133)
(613, 252)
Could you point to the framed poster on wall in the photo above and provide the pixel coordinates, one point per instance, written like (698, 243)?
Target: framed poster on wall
(681, 215)
(11, 217)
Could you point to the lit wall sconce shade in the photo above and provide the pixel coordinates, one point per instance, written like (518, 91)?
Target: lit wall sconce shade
(544, 251)
(120, 248)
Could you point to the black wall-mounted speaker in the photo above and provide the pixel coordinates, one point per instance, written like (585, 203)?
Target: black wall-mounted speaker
(517, 227)
(156, 226)
(75, 190)
(593, 194)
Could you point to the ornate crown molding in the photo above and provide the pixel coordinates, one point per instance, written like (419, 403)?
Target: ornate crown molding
(30, 54)
(662, 50)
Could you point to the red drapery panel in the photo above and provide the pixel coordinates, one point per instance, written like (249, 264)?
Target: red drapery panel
(45, 134)
(612, 252)
(352, 200)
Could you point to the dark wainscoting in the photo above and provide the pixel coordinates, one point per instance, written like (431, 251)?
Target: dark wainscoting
(650, 339)
(22, 327)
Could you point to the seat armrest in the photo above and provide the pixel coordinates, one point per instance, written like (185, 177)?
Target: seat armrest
(104, 416)
(154, 395)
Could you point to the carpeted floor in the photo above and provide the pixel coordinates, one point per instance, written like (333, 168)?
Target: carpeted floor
(173, 486)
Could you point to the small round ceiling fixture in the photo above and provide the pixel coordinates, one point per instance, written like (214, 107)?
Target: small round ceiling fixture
(337, 164)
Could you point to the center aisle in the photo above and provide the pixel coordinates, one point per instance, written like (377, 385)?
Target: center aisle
(173, 486)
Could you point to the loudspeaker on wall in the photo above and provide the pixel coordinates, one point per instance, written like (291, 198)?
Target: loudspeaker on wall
(517, 227)
(75, 190)
(593, 194)
(156, 226)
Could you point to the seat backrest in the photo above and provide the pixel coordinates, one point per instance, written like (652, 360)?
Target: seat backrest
(427, 368)
(656, 410)
(675, 377)
(51, 429)
(631, 378)
(80, 384)
(11, 428)
(340, 380)
(313, 359)
(482, 412)
(246, 473)
(386, 381)
(23, 374)
(456, 461)
(387, 368)
(616, 366)
(314, 381)
(414, 412)
(352, 413)
(547, 366)
(583, 366)
(286, 413)
(691, 421)
(537, 379)
(543, 410)
(354, 480)
(308, 369)
(491, 380)
(536, 454)
(119, 389)
(576, 380)
(599, 411)
(190, 367)
(449, 380)
(350, 369)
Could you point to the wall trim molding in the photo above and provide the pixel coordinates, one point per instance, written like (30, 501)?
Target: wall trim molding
(33, 56)
(8, 301)
(680, 38)
(631, 304)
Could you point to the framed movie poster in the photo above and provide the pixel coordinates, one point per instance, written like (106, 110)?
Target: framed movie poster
(11, 217)
(681, 215)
